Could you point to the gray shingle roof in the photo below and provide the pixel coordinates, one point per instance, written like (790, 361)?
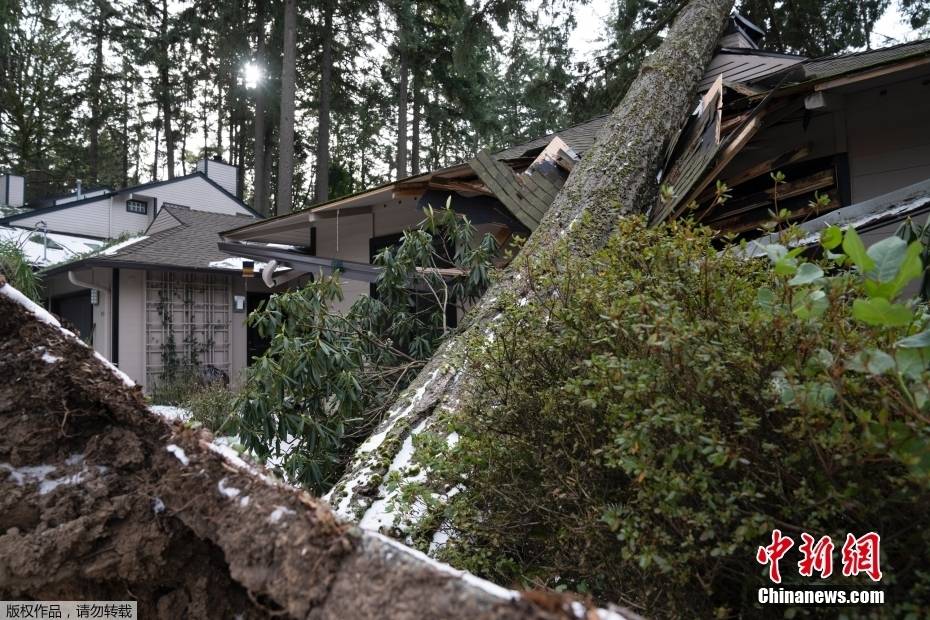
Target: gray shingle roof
(832, 66)
(580, 137)
(192, 245)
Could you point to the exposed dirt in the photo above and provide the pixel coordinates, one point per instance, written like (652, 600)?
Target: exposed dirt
(97, 502)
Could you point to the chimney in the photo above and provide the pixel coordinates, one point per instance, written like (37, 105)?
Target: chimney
(12, 190)
(78, 193)
(221, 173)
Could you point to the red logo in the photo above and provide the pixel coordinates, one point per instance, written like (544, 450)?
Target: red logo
(859, 555)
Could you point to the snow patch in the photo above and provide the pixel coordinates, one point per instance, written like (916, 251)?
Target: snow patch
(374, 441)
(170, 412)
(227, 491)
(178, 452)
(486, 586)
(48, 358)
(452, 440)
(40, 474)
(158, 506)
(279, 513)
(378, 514)
(116, 247)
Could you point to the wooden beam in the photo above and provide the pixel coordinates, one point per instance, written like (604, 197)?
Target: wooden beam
(735, 143)
(769, 165)
(745, 204)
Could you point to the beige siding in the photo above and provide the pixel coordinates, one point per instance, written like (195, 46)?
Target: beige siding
(346, 237)
(132, 324)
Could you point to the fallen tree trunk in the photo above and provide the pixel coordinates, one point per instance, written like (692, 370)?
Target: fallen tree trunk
(101, 499)
(616, 177)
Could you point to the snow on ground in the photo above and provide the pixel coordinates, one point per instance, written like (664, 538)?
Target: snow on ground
(171, 412)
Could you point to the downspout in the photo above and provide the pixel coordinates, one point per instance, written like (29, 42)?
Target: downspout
(114, 319)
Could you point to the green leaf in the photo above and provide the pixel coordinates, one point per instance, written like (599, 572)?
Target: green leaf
(831, 237)
(881, 312)
(917, 341)
(878, 362)
(911, 362)
(811, 305)
(854, 248)
(807, 273)
(776, 251)
(888, 255)
(786, 266)
(765, 298)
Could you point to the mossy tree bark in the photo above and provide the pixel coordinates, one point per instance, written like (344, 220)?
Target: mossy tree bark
(616, 177)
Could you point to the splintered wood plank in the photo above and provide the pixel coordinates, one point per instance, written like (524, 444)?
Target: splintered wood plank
(504, 188)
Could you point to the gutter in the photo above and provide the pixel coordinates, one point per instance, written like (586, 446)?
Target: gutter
(303, 262)
(76, 281)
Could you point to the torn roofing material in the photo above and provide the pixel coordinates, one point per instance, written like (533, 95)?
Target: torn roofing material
(891, 207)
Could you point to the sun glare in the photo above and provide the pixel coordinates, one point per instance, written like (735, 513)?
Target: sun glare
(251, 74)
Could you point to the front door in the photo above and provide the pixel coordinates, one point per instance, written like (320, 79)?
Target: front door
(77, 310)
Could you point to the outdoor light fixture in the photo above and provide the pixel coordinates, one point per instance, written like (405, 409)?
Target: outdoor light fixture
(94, 297)
(238, 303)
(248, 269)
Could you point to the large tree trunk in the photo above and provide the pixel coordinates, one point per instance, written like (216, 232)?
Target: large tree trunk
(616, 177)
(326, 93)
(403, 69)
(96, 87)
(286, 132)
(101, 499)
(164, 72)
(260, 189)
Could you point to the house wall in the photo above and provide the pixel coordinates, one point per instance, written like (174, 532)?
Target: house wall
(108, 217)
(888, 137)
(132, 323)
(222, 173)
(59, 285)
(346, 237)
(89, 219)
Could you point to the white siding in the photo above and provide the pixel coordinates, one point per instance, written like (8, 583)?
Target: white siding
(221, 173)
(12, 190)
(163, 221)
(197, 193)
(88, 219)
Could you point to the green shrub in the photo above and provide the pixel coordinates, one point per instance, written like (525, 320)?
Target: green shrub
(213, 406)
(328, 376)
(649, 415)
(18, 271)
(175, 388)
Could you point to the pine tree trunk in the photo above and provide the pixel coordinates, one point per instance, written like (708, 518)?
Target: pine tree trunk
(616, 177)
(95, 87)
(260, 199)
(286, 131)
(165, 95)
(415, 129)
(402, 71)
(326, 87)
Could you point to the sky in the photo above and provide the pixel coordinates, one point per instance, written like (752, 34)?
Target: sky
(588, 36)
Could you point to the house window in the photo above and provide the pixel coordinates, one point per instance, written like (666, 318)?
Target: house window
(137, 206)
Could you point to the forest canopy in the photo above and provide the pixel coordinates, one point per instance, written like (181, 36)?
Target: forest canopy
(120, 92)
